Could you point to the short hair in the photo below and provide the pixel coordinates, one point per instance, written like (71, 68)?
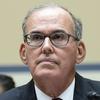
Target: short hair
(7, 82)
(77, 22)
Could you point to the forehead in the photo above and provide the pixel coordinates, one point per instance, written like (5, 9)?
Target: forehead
(50, 16)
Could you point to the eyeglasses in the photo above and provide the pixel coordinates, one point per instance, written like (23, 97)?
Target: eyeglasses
(57, 38)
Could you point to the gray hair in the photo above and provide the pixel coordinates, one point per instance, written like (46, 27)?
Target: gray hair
(77, 22)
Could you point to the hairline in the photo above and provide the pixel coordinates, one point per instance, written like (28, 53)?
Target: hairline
(77, 22)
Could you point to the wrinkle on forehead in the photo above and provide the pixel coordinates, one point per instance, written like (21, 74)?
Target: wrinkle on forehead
(50, 16)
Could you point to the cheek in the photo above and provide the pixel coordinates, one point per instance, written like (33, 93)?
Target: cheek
(32, 55)
(67, 58)
(67, 55)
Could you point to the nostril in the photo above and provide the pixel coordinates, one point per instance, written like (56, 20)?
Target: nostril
(47, 52)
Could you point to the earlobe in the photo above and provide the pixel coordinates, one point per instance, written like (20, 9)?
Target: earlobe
(22, 52)
(81, 52)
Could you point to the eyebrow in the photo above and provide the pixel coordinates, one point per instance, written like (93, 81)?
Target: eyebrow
(53, 31)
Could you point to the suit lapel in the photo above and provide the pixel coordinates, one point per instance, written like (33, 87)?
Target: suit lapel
(81, 88)
(29, 92)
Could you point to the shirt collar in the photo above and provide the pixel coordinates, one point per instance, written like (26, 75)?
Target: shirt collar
(66, 95)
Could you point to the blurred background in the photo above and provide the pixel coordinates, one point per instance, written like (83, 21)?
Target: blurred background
(12, 14)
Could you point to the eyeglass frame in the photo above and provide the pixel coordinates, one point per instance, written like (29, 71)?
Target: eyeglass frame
(67, 34)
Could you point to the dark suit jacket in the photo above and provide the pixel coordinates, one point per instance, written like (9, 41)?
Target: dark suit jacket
(85, 89)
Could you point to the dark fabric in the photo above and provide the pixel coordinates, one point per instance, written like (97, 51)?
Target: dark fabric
(85, 89)
(56, 99)
(84, 86)
(26, 92)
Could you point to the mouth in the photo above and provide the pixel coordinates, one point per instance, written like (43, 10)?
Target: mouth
(47, 61)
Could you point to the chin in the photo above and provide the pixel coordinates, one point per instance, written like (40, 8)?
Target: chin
(45, 73)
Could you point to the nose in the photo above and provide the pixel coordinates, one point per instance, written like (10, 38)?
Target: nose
(47, 47)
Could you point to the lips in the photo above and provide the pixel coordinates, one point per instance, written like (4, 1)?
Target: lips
(47, 60)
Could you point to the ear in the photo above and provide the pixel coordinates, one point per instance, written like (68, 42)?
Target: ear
(22, 52)
(81, 52)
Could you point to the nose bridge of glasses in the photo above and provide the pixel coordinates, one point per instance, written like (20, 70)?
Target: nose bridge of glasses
(47, 42)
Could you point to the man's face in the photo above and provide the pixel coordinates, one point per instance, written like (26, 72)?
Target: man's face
(49, 61)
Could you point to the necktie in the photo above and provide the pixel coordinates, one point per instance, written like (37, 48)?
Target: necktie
(56, 99)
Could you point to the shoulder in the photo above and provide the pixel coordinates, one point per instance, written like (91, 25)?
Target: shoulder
(86, 88)
(17, 93)
(12, 94)
(94, 84)
(88, 83)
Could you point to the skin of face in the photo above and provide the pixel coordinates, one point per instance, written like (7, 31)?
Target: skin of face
(52, 68)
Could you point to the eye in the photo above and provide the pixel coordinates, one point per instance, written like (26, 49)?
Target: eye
(36, 37)
(58, 36)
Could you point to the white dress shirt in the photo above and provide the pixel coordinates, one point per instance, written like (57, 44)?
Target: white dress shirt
(66, 95)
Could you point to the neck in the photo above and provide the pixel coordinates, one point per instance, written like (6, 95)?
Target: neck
(54, 88)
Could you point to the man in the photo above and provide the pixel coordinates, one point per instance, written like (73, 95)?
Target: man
(52, 47)
(6, 83)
